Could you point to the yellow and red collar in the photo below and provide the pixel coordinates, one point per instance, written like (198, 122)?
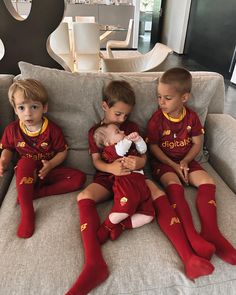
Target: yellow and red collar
(180, 118)
(35, 133)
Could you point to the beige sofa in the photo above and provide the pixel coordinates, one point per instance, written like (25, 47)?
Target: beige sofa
(141, 261)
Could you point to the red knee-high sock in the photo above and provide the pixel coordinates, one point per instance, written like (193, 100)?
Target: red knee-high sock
(95, 269)
(169, 222)
(25, 189)
(176, 196)
(61, 181)
(206, 206)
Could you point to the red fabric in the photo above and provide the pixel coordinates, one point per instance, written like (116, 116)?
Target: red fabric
(95, 270)
(109, 153)
(169, 222)
(103, 178)
(60, 180)
(207, 209)
(128, 127)
(41, 147)
(113, 231)
(160, 169)
(176, 196)
(25, 188)
(161, 131)
(131, 195)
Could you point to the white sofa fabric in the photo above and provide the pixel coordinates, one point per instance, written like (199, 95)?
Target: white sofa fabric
(141, 261)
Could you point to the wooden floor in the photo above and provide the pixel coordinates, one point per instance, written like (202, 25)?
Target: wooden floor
(174, 60)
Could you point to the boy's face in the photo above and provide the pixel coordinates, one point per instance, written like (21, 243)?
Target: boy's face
(114, 134)
(30, 112)
(171, 101)
(116, 114)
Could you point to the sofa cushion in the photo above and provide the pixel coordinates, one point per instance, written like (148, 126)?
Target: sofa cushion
(75, 102)
(141, 262)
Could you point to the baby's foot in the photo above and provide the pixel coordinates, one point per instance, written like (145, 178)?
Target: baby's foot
(103, 233)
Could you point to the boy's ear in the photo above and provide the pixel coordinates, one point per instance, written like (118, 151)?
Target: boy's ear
(185, 97)
(105, 106)
(45, 108)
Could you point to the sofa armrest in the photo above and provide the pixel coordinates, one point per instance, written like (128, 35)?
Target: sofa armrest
(5, 182)
(220, 141)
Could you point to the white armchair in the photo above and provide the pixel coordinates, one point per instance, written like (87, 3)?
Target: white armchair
(60, 47)
(119, 43)
(85, 19)
(141, 63)
(86, 46)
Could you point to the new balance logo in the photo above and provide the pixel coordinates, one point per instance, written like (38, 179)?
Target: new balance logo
(174, 220)
(83, 226)
(212, 202)
(27, 180)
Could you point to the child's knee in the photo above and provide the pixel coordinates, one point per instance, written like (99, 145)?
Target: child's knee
(84, 194)
(78, 179)
(26, 167)
(26, 162)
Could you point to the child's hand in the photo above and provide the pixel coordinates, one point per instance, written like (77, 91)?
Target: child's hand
(134, 136)
(117, 168)
(185, 170)
(45, 169)
(134, 163)
(180, 172)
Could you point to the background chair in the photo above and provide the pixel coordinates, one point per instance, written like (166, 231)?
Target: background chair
(69, 20)
(119, 44)
(142, 63)
(61, 46)
(86, 46)
(85, 19)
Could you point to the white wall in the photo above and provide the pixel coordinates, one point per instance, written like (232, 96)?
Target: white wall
(175, 24)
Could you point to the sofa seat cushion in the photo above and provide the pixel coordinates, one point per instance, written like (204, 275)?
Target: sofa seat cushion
(141, 261)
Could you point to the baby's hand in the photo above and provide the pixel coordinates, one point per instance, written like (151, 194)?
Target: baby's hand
(118, 168)
(134, 136)
(45, 169)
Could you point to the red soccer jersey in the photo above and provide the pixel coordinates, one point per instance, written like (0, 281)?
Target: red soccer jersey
(174, 137)
(127, 127)
(41, 146)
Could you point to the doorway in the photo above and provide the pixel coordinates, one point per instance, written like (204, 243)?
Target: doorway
(150, 24)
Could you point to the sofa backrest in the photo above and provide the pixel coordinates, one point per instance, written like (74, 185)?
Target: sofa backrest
(75, 101)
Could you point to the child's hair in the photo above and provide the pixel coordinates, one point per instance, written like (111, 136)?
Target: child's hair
(119, 90)
(100, 135)
(179, 78)
(32, 89)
